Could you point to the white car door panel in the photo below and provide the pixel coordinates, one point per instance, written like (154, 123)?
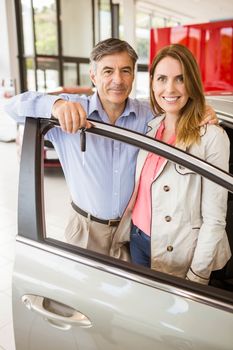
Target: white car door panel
(66, 297)
(124, 312)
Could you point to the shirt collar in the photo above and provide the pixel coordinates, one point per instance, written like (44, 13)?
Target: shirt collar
(129, 108)
(96, 106)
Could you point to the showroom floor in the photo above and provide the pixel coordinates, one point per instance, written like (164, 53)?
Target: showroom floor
(8, 225)
(8, 222)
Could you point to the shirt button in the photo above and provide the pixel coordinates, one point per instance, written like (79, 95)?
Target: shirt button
(166, 188)
(168, 218)
(169, 248)
(181, 167)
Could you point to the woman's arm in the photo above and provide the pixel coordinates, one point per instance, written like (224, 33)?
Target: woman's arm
(212, 250)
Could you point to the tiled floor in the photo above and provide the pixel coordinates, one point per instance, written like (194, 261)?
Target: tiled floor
(9, 166)
(8, 220)
(8, 207)
(9, 169)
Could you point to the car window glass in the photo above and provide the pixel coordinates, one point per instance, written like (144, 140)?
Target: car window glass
(57, 197)
(58, 200)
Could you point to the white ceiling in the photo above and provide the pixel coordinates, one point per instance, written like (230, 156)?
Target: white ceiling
(195, 11)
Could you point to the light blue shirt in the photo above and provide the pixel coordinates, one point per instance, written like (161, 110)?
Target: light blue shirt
(102, 185)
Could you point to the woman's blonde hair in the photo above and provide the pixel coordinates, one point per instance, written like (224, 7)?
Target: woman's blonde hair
(187, 128)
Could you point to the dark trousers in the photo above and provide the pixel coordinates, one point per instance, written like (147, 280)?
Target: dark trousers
(140, 247)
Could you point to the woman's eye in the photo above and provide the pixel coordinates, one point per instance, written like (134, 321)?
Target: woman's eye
(180, 79)
(161, 79)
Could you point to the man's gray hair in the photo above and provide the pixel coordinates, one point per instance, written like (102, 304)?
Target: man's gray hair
(111, 46)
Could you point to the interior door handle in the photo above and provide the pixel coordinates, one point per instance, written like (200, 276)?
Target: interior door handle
(56, 313)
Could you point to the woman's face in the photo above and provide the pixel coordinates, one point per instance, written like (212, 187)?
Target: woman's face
(168, 86)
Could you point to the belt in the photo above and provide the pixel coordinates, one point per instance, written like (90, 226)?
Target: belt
(112, 222)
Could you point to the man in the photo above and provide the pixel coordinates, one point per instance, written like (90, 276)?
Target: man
(101, 188)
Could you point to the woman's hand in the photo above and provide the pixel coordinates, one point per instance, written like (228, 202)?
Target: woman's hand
(210, 116)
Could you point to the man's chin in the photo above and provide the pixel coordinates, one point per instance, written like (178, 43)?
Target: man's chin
(118, 101)
(119, 97)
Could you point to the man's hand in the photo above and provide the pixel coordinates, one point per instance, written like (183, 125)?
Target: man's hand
(71, 115)
(210, 116)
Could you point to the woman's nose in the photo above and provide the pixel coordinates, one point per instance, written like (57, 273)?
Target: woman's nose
(170, 86)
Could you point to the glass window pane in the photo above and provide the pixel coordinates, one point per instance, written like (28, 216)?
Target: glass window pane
(45, 26)
(143, 37)
(142, 85)
(56, 211)
(158, 22)
(84, 74)
(27, 27)
(171, 22)
(121, 25)
(77, 27)
(70, 74)
(47, 74)
(30, 71)
(105, 26)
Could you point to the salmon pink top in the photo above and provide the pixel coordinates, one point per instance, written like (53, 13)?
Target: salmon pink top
(141, 215)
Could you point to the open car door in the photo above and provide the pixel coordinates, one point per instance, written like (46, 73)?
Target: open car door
(65, 297)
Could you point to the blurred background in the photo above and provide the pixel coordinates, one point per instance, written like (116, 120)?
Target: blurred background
(45, 44)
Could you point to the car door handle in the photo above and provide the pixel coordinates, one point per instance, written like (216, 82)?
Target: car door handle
(57, 314)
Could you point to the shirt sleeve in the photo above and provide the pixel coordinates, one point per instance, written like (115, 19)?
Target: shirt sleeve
(33, 104)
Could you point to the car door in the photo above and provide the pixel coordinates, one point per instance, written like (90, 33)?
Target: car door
(65, 297)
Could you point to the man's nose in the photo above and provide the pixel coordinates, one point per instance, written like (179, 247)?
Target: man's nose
(117, 77)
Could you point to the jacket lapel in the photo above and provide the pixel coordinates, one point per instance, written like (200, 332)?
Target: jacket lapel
(153, 126)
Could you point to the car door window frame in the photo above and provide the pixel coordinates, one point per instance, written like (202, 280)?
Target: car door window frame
(31, 219)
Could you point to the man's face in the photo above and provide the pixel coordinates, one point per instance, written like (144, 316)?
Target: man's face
(113, 77)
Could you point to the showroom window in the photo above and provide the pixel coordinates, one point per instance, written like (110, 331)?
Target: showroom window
(145, 20)
(55, 41)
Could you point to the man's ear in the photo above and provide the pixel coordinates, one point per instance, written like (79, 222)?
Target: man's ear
(92, 75)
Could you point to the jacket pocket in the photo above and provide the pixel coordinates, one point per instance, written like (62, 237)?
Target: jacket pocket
(183, 171)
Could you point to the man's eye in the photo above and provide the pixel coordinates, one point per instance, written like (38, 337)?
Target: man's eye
(127, 71)
(107, 72)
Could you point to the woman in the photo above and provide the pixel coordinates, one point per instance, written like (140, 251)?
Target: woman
(179, 217)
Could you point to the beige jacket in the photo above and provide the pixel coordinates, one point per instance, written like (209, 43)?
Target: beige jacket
(188, 237)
